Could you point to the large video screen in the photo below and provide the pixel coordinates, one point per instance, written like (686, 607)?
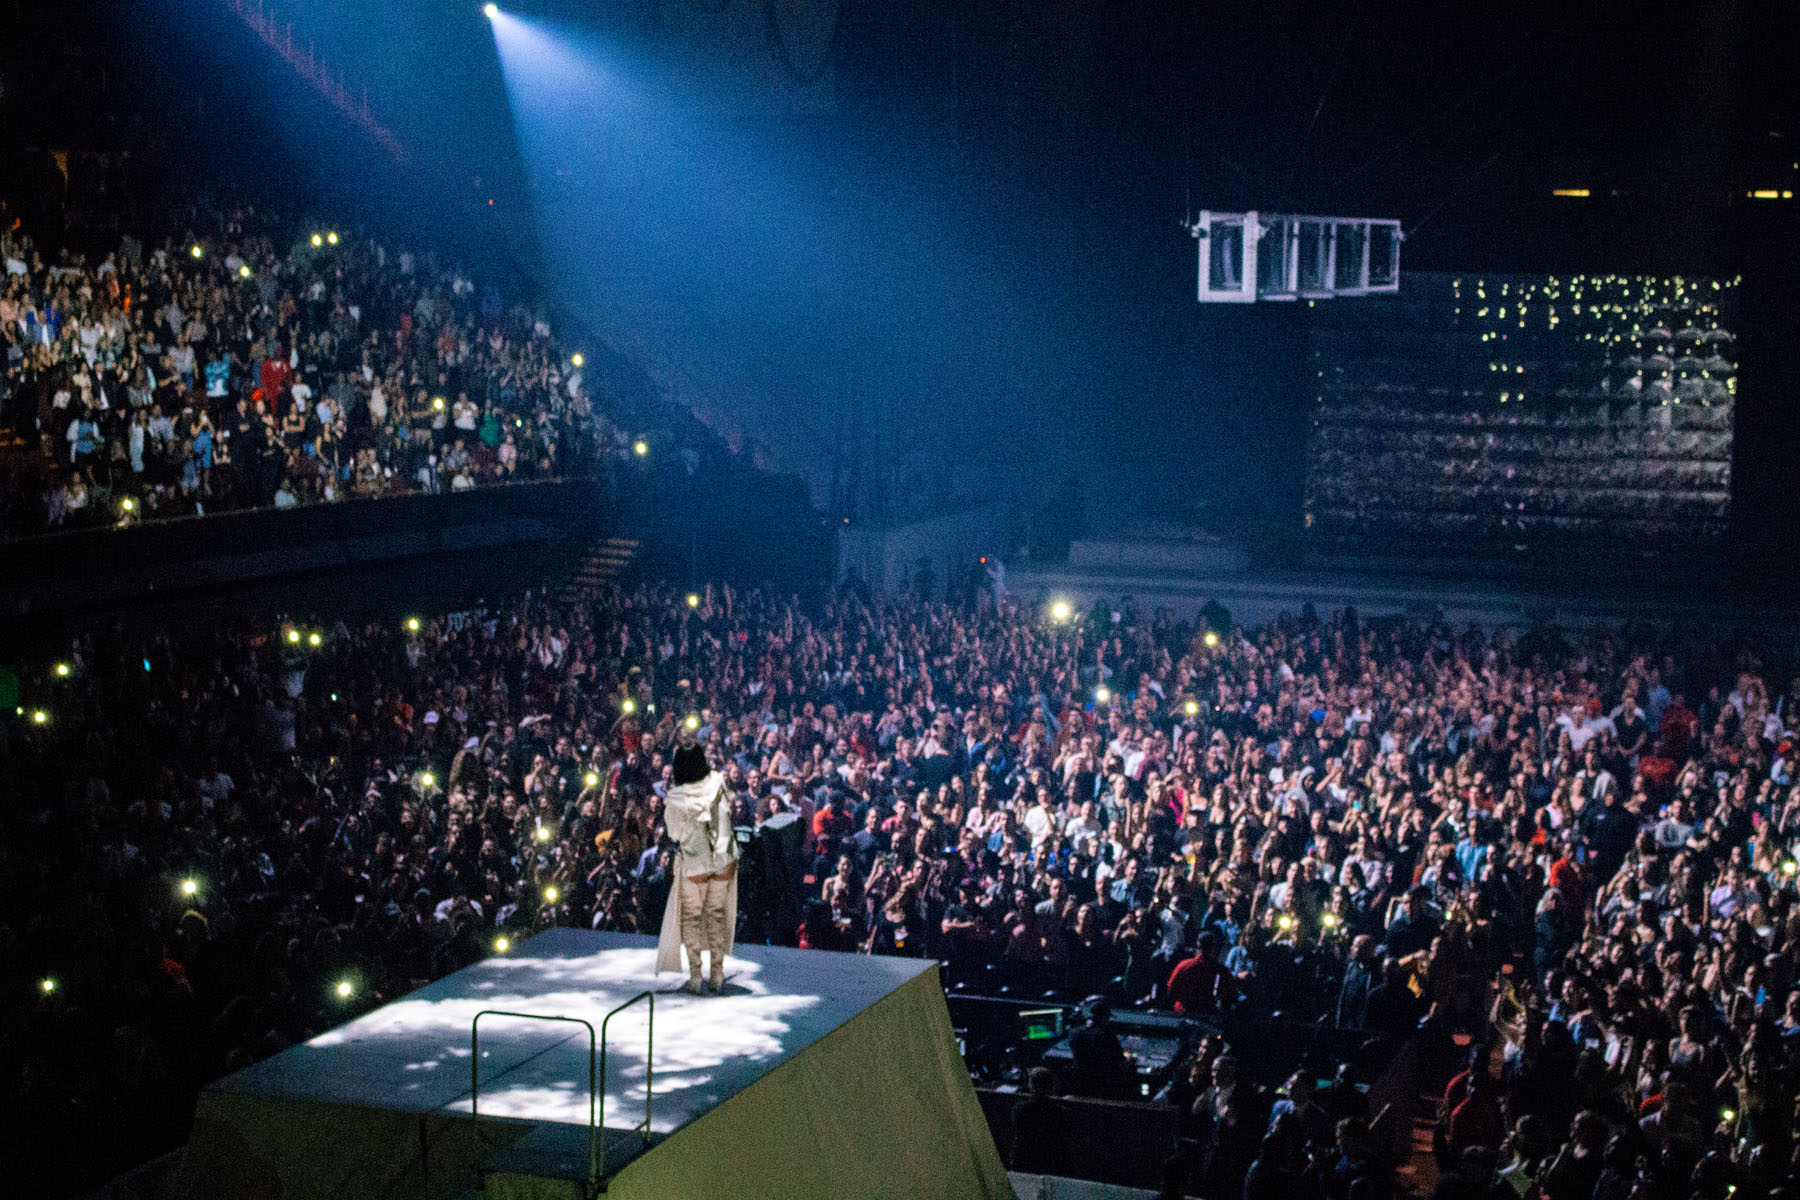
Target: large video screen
(1523, 415)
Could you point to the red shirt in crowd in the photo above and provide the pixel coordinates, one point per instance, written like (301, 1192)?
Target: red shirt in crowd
(277, 377)
(1658, 774)
(832, 823)
(1677, 729)
(1567, 877)
(1201, 985)
(1477, 1122)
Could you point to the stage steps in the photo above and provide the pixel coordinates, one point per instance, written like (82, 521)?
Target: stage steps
(600, 565)
(551, 1163)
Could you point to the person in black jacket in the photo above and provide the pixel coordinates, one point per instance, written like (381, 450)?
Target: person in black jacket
(1361, 974)
(1100, 1066)
(1393, 1010)
(1275, 1175)
(1555, 933)
(1034, 1127)
(1415, 927)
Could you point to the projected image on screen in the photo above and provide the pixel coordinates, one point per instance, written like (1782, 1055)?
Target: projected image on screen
(1521, 415)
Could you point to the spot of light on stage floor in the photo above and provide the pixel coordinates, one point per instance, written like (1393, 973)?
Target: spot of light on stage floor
(706, 1048)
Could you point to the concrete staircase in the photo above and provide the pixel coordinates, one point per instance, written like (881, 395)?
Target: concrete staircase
(600, 565)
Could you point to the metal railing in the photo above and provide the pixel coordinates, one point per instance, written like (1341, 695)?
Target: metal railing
(649, 1052)
(595, 1140)
(596, 1076)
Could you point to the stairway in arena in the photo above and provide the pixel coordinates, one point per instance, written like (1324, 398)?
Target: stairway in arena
(600, 565)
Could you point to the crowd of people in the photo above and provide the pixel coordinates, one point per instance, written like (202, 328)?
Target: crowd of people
(1576, 850)
(257, 362)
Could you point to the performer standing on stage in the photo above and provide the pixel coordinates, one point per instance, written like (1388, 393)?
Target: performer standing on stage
(702, 909)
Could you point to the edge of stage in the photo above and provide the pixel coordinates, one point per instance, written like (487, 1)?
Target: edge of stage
(815, 1074)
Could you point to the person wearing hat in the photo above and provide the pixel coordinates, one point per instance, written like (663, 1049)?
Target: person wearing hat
(701, 914)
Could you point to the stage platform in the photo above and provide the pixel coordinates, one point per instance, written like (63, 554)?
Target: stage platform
(816, 1074)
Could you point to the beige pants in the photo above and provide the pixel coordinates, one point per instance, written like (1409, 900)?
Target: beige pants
(703, 918)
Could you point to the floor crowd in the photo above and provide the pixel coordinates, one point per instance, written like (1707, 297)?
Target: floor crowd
(1577, 848)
